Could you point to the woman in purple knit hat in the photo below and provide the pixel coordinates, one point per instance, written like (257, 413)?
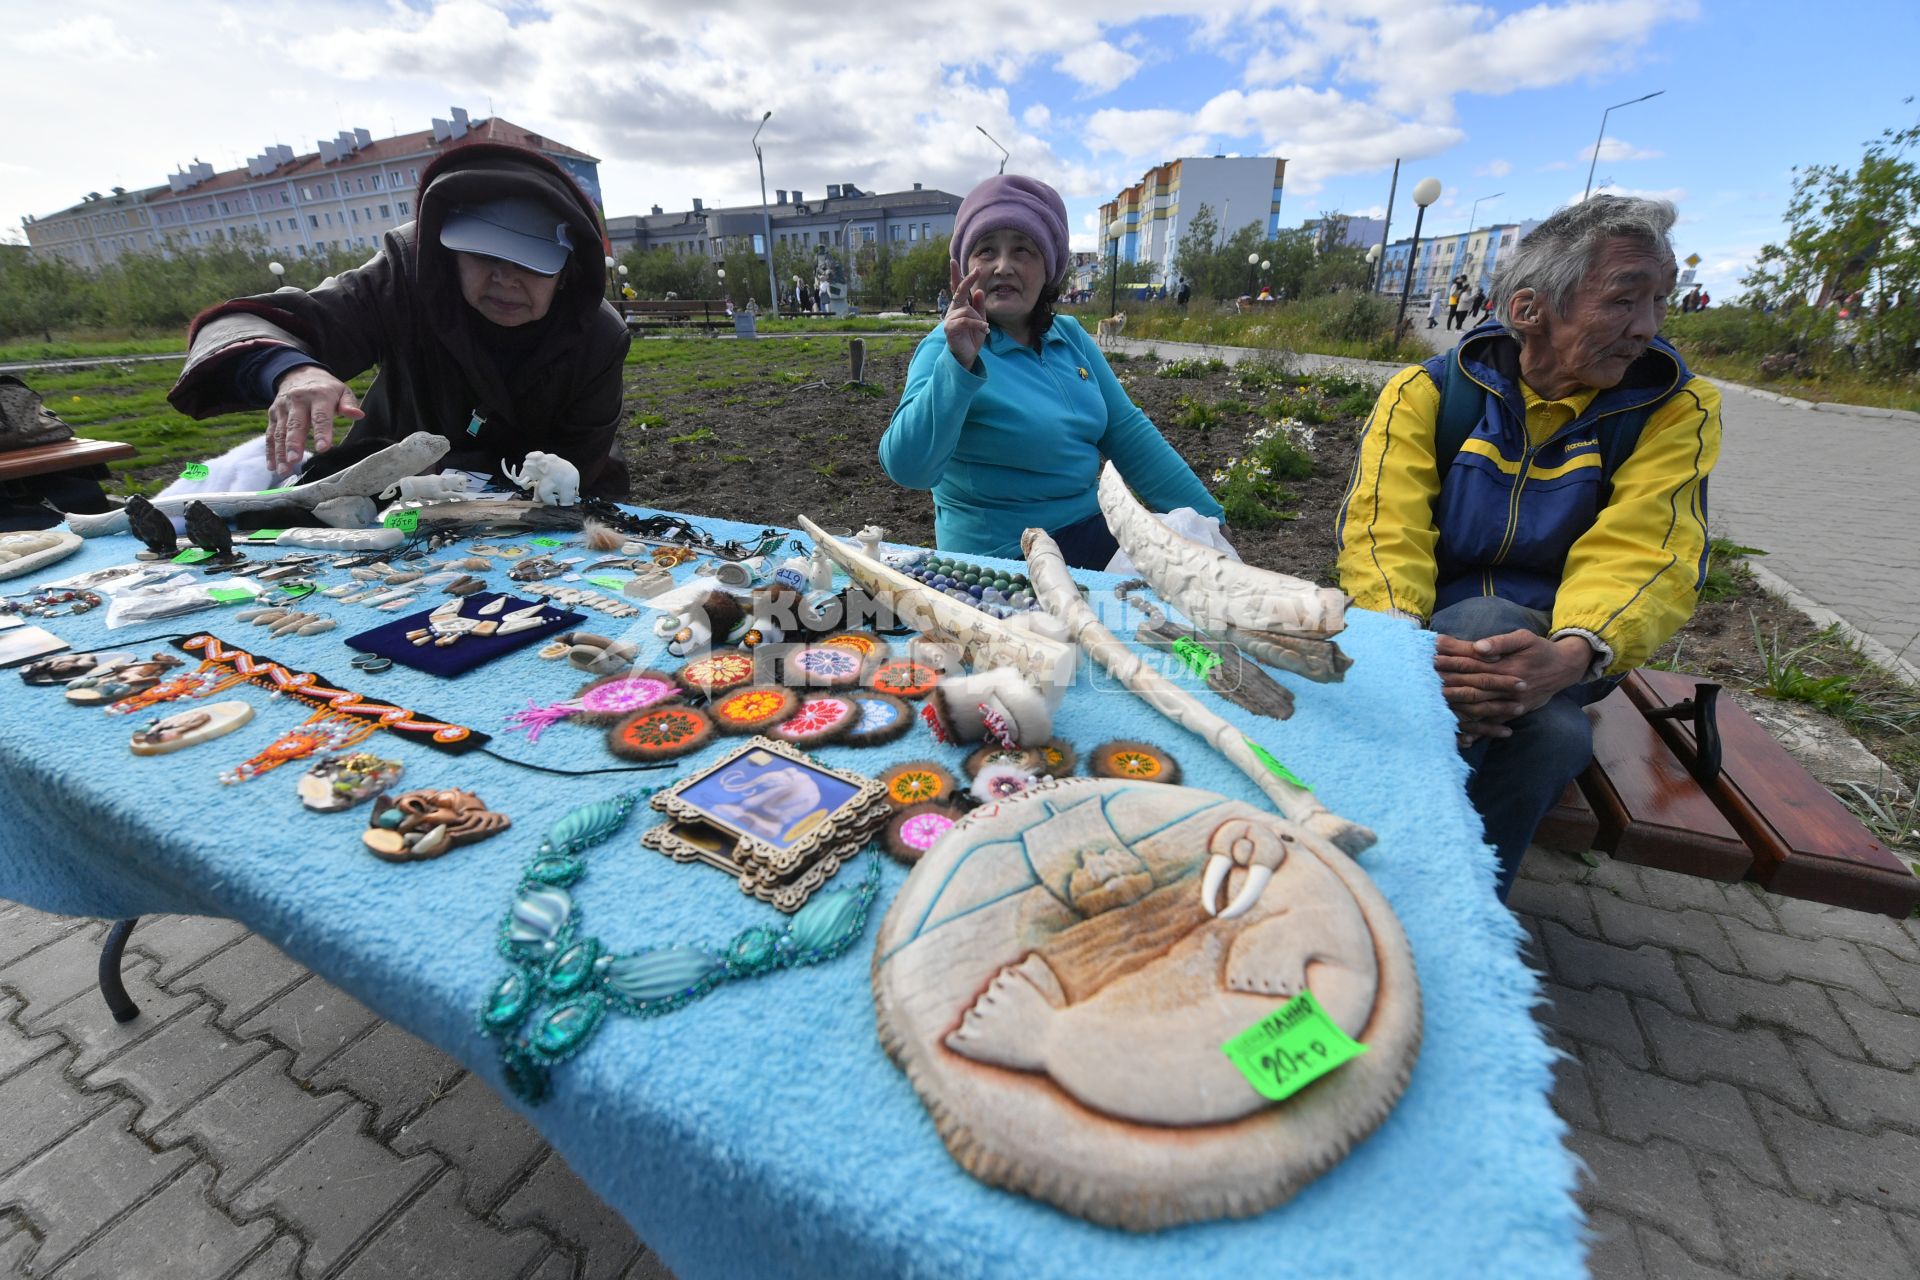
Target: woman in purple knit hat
(1009, 409)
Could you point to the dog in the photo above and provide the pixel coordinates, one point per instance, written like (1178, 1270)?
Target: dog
(1110, 328)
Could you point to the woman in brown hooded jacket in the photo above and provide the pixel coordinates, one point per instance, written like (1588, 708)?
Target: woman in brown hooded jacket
(485, 315)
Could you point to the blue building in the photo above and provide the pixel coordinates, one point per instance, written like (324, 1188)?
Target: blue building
(1473, 254)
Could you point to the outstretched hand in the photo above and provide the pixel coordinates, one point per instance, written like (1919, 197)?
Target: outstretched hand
(966, 323)
(1489, 682)
(306, 401)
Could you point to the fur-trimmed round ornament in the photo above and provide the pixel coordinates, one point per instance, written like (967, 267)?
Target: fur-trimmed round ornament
(1028, 758)
(1002, 781)
(904, 678)
(716, 673)
(821, 666)
(753, 708)
(918, 782)
(1134, 761)
(913, 830)
(871, 647)
(660, 733)
(883, 718)
(821, 719)
(610, 698)
(1057, 758)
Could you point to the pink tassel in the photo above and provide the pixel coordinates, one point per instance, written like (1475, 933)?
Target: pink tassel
(536, 720)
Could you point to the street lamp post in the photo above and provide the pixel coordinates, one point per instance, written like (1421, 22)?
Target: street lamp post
(1424, 194)
(611, 293)
(766, 220)
(1004, 156)
(279, 274)
(1603, 136)
(1386, 225)
(1373, 268)
(1114, 229)
(1476, 208)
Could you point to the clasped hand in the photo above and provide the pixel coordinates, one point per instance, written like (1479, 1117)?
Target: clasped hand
(306, 401)
(1489, 682)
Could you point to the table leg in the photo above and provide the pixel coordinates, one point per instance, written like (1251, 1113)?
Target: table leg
(119, 1003)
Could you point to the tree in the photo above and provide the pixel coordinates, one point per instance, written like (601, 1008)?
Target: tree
(1855, 232)
(654, 273)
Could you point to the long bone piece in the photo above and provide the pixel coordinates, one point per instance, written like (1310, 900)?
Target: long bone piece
(1054, 587)
(984, 641)
(1212, 589)
(363, 479)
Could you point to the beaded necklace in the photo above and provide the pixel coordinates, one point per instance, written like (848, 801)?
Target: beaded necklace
(563, 980)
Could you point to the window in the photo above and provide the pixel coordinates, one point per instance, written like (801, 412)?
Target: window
(893, 232)
(328, 217)
(386, 211)
(401, 205)
(223, 206)
(866, 235)
(306, 193)
(913, 233)
(359, 184)
(313, 221)
(926, 231)
(376, 182)
(414, 174)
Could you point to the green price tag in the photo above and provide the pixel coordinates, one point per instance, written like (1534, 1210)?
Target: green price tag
(195, 471)
(264, 535)
(193, 555)
(229, 595)
(404, 521)
(1290, 1048)
(608, 581)
(1198, 658)
(1274, 767)
(546, 542)
(298, 589)
(284, 489)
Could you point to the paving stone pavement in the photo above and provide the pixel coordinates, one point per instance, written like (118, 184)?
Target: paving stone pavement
(1741, 1079)
(257, 1123)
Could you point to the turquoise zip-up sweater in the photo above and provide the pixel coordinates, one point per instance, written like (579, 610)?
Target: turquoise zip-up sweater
(1019, 443)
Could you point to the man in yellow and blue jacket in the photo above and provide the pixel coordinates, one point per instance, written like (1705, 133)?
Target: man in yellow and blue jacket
(1538, 498)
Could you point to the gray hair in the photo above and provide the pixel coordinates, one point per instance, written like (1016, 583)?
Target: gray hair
(1557, 255)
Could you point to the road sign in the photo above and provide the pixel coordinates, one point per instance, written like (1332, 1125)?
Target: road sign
(1686, 277)
(1693, 259)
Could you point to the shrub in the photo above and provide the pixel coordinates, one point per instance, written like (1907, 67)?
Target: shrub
(1190, 367)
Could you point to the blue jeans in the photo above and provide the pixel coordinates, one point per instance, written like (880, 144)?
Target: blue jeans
(1516, 780)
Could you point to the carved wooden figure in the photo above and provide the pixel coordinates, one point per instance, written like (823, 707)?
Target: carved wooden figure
(1059, 973)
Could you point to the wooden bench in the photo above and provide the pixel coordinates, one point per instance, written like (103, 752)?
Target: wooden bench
(62, 455)
(677, 313)
(1761, 816)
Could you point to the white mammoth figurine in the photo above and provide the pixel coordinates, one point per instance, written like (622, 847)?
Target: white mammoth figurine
(435, 488)
(553, 480)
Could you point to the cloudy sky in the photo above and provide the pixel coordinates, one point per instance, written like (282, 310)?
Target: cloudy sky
(1490, 98)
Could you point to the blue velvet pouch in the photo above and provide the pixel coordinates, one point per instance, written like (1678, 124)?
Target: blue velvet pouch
(470, 650)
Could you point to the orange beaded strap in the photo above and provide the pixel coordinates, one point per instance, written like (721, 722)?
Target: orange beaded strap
(343, 703)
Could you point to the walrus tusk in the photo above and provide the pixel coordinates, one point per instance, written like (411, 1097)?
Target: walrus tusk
(1214, 590)
(363, 479)
(1054, 587)
(985, 641)
(1318, 660)
(1257, 878)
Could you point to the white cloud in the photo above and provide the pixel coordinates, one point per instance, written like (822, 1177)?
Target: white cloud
(1037, 117)
(1678, 195)
(1495, 169)
(91, 40)
(1098, 66)
(1614, 150)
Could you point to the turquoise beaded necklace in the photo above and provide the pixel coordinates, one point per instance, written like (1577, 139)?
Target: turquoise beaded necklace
(563, 981)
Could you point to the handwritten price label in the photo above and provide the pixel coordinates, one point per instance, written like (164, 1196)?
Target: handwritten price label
(195, 471)
(1197, 657)
(229, 595)
(546, 542)
(193, 555)
(1290, 1048)
(1274, 767)
(608, 581)
(404, 521)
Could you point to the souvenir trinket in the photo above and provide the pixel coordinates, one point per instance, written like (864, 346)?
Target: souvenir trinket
(699, 626)
(661, 733)
(458, 635)
(51, 603)
(210, 533)
(536, 569)
(24, 551)
(1133, 762)
(820, 719)
(1217, 662)
(1057, 980)
(913, 831)
(600, 702)
(1002, 782)
(716, 673)
(102, 687)
(918, 782)
(343, 781)
(564, 980)
(776, 820)
(20, 644)
(871, 647)
(883, 718)
(823, 667)
(68, 667)
(324, 730)
(904, 678)
(419, 825)
(754, 708)
(189, 728)
(1053, 758)
(600, 654)
(153, 529)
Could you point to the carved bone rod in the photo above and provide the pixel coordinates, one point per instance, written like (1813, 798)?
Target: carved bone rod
(1211, 588)
(1054, 587)
(363, 479)
(985, 641)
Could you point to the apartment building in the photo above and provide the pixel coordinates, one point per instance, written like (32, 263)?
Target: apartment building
(1143, 224)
